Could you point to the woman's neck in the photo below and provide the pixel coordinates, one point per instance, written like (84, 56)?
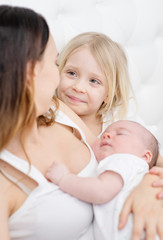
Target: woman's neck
(30, 135)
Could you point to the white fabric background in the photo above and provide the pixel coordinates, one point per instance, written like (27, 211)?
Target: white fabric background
(136, 24)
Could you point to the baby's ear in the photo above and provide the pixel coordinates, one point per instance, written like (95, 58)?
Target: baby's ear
(147, 156)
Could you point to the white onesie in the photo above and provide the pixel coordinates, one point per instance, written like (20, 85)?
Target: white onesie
(132, 169)
(48, 213)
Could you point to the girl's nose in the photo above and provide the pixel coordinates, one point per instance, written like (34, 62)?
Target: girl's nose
(79, 86)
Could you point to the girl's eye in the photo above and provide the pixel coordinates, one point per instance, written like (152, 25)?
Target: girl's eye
(94, 81)
(71, 73)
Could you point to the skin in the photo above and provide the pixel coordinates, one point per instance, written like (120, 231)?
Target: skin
(83, 87)
(46, 78)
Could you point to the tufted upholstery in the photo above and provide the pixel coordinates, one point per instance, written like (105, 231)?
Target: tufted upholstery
(136, 24)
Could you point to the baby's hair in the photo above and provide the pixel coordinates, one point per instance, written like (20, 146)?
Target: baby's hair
(113, 62)
(151, 143)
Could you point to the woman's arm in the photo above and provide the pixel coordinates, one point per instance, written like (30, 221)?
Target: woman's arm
(4, 231)
(4, 210)
(94, 190)
(146, 208)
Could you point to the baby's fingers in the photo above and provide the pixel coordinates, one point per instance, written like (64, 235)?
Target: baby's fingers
(56, 172)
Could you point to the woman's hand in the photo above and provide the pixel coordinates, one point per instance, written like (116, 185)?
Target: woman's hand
(146, 208)
(159, 183)
(56, 172)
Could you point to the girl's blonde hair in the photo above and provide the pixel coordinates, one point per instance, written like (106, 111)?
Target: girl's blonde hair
(113, 63)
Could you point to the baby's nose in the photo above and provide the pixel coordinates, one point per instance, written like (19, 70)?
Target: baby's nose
(106, 135)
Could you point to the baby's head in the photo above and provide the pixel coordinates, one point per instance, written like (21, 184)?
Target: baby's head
(112, 61)
(127, 137)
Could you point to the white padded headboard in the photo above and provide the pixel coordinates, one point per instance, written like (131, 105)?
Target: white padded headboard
(136, 24)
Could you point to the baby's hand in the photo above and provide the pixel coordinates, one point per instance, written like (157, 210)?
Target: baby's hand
(56, 172)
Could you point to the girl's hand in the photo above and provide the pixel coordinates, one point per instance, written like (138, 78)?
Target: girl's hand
(147, 210)
(56, 172)
(159, 183)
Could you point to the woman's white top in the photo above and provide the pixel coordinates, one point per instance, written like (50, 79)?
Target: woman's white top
(48, 213)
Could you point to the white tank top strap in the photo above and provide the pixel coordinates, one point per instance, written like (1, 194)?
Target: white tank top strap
(64, 119)
(24, 167)
(17, 182)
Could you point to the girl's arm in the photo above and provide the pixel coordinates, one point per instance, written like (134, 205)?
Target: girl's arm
(77, 120)
(94, 190)
(146, 208)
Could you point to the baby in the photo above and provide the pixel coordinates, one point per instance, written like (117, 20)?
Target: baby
(125, 152)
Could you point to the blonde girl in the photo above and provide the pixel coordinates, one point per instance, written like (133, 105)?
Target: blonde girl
(94, 79)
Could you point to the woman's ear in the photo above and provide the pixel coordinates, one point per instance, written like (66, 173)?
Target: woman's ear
(147, 156)
(31, 73)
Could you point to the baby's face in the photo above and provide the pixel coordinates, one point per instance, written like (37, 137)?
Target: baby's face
(120, 137)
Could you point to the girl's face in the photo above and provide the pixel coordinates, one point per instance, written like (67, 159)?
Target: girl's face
(46, 78)
(83, 86)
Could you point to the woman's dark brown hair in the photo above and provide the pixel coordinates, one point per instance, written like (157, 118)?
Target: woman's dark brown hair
(23, 38)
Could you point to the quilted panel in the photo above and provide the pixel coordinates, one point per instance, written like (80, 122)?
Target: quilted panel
(136, 24)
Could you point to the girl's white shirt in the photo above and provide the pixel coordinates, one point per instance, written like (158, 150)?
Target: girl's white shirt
(48, 213)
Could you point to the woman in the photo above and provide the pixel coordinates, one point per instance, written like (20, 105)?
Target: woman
(30, 206)
(30, 140)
